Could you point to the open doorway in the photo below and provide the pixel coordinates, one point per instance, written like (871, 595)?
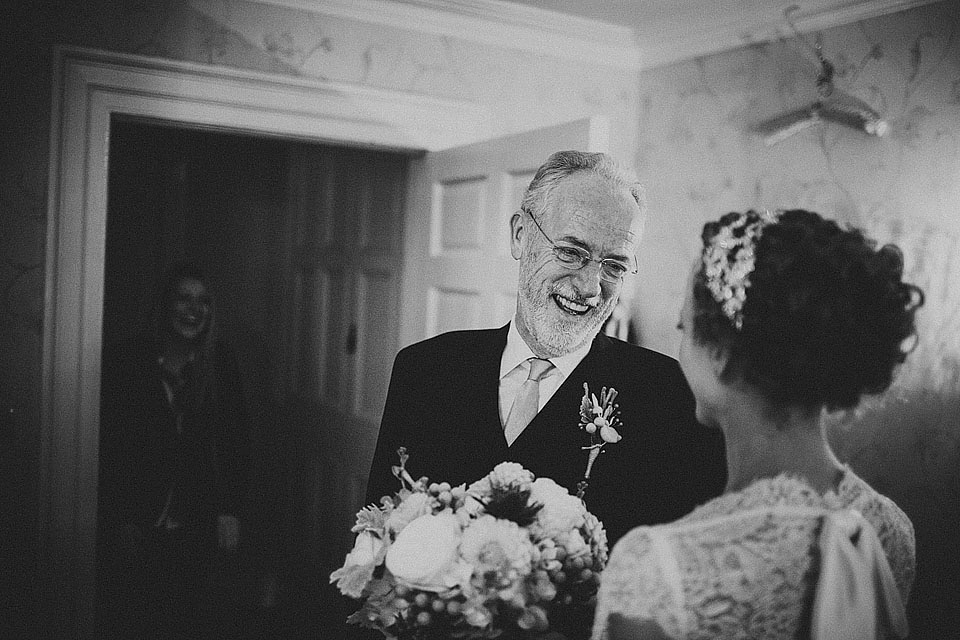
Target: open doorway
(301, 245)
(91, 90)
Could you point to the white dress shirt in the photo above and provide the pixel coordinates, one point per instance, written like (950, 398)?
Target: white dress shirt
(514, 368)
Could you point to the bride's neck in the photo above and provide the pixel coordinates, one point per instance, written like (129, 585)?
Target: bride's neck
(761, 443)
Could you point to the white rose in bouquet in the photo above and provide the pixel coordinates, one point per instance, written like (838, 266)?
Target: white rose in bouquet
(561, 511)
(424, 555)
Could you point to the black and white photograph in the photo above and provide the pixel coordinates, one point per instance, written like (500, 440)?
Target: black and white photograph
(476, 319)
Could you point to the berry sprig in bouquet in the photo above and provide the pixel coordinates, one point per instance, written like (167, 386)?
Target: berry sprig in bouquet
(510, 556)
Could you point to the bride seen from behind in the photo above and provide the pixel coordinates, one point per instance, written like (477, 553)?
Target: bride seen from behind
(787, 316)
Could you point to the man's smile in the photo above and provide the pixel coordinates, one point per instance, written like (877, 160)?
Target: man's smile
(571, 306)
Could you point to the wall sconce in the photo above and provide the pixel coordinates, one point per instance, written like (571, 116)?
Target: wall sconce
(832, 105)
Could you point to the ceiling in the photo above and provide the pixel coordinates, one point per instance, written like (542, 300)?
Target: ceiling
(665, 28)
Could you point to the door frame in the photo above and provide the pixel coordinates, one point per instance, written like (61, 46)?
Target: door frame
(89, 87)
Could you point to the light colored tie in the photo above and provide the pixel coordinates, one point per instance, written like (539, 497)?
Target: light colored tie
(526, 404)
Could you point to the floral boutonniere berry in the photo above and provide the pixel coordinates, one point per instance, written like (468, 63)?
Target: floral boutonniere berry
(599, 418)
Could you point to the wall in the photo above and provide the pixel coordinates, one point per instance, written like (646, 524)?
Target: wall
(699, 160)
(518, 88)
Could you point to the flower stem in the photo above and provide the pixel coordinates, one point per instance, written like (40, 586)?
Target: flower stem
(594, 452)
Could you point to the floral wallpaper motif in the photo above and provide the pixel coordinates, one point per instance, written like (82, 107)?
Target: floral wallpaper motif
(700, 156)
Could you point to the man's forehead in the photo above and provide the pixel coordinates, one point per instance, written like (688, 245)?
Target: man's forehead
(619, 225)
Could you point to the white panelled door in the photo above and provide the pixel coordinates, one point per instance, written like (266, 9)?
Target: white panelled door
(458, 272)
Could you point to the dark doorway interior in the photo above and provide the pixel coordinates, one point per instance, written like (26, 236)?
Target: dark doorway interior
(221, 199)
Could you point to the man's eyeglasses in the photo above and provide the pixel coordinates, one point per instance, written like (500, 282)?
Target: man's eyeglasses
(575, 258)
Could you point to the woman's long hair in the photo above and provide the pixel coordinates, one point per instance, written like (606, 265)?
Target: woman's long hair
(199, 375)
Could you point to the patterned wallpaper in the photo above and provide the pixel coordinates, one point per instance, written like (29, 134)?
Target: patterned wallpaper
(699, 158)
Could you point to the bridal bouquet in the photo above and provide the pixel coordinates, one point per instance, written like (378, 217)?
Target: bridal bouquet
(510, 556)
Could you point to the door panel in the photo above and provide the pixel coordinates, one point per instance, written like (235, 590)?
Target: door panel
(330, 326)
(450, 309)
(458, 272)
(458, 221)
(346, 208)
(376, 309)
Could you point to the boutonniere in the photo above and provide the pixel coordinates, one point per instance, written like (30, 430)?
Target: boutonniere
(599, 417)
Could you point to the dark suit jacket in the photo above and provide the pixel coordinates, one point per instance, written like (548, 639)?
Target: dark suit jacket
(442, 406)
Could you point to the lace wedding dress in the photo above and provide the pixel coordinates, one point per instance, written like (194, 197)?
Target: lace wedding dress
(748, 565)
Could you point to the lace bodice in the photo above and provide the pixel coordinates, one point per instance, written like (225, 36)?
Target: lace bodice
(745, 564)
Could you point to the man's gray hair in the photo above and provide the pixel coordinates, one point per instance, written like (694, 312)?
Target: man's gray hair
(565, 163)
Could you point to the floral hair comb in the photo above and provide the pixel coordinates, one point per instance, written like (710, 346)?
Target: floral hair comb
(729, 259)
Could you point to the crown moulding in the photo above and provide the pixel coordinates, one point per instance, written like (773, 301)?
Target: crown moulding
(490, 22)
(684, 41)
(661, 41)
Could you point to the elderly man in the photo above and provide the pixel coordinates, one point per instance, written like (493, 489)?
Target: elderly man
(464, 401)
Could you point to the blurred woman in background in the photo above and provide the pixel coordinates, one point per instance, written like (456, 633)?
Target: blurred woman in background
(174, 466)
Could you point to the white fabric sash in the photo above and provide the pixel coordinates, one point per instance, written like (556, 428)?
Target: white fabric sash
(856, 596)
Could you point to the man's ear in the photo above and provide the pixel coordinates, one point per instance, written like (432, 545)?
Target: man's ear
(516, 234)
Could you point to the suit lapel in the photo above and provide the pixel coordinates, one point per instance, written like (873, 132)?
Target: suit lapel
(551, 442)
(482, 391)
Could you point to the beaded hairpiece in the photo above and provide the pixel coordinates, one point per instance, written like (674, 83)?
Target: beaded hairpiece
(728, 261)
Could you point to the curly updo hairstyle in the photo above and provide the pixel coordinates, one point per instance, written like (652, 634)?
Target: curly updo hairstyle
(826, 318)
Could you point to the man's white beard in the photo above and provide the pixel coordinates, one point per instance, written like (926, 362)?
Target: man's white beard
(558, 335)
